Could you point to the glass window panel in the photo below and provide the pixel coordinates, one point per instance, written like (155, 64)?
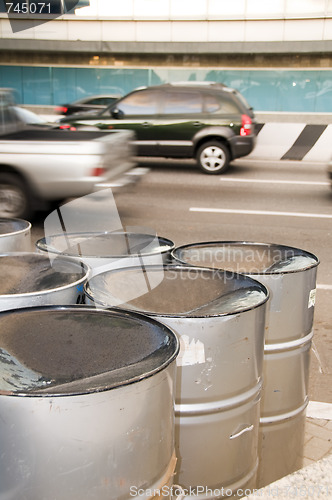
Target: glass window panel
(98, 101)
(220, 106)
(64, 85)
(297, 92)
(182, 103)
(211, 104)
(37, 85)
(262, 89)
(265, 90)
(323, 97)
(11, 77)
(140, 103)
(111, 81)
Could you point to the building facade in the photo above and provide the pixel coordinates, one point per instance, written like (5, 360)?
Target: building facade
(278, 53)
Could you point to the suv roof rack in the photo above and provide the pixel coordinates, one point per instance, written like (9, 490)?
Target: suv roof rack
(203, 83)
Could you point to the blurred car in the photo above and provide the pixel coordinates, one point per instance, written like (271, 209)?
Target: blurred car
(329, 171)
(21, 117)
(30, 118)
(87, 104)
(207, 121)
(41, 166)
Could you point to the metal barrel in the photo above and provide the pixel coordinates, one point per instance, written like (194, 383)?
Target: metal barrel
(290, 276)
(86, 404)
(108, 250)
(15, 235)
(219, 318)
(31, 279)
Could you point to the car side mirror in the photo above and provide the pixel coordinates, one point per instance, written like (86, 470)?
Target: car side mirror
(116, 113)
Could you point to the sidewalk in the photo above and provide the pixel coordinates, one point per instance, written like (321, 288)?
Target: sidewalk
(314, 480)
(317, 441)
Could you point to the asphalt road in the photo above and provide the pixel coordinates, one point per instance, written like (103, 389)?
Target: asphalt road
(288, 203)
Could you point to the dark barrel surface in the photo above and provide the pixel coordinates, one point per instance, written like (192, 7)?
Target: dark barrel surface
(12, 225)
(176, 291)
(23, 273)
(246, 257)
(77, 350)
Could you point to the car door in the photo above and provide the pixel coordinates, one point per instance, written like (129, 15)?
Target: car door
(138, 111)
(180, 119)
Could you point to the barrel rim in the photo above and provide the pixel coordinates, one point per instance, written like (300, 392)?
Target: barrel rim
(183, 315)
(42, 242)
(43, 393)
(269, 245)
(25, 229)
(80, 281)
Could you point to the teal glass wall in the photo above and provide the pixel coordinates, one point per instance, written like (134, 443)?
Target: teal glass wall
(307, 91)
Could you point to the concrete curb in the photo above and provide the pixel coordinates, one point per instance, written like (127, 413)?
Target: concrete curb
(311, 482)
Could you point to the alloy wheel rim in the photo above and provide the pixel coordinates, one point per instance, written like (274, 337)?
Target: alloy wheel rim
(213, 158)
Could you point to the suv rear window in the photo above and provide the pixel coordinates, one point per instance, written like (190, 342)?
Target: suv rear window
(182, 103)
(213, 104)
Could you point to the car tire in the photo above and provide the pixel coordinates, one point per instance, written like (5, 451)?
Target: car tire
(213, 157)
(15, 201)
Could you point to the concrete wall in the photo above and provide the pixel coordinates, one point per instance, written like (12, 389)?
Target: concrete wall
(181, 21)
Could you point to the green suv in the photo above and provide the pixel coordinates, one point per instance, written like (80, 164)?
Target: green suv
(207, 121)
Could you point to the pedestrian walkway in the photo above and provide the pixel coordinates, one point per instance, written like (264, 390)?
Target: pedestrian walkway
(317, 441)
(314, 480)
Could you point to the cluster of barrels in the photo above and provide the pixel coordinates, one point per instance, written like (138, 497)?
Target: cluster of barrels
(130, 367)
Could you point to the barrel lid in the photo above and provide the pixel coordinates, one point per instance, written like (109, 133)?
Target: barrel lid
(106, 244)
(76, 350)
(31, 273)
(246, 257)
(13, 226)
(176, 291)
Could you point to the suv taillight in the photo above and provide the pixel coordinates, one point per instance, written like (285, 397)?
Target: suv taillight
(246, 125)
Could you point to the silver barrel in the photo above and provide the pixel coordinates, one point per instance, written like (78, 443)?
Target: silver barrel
(86, 404)
(109, 250)
(15, 235)
(219, 318)
(31, 279)
(290, 275)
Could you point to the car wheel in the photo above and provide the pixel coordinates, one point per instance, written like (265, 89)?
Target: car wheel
(213, 157)
(14, 198)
